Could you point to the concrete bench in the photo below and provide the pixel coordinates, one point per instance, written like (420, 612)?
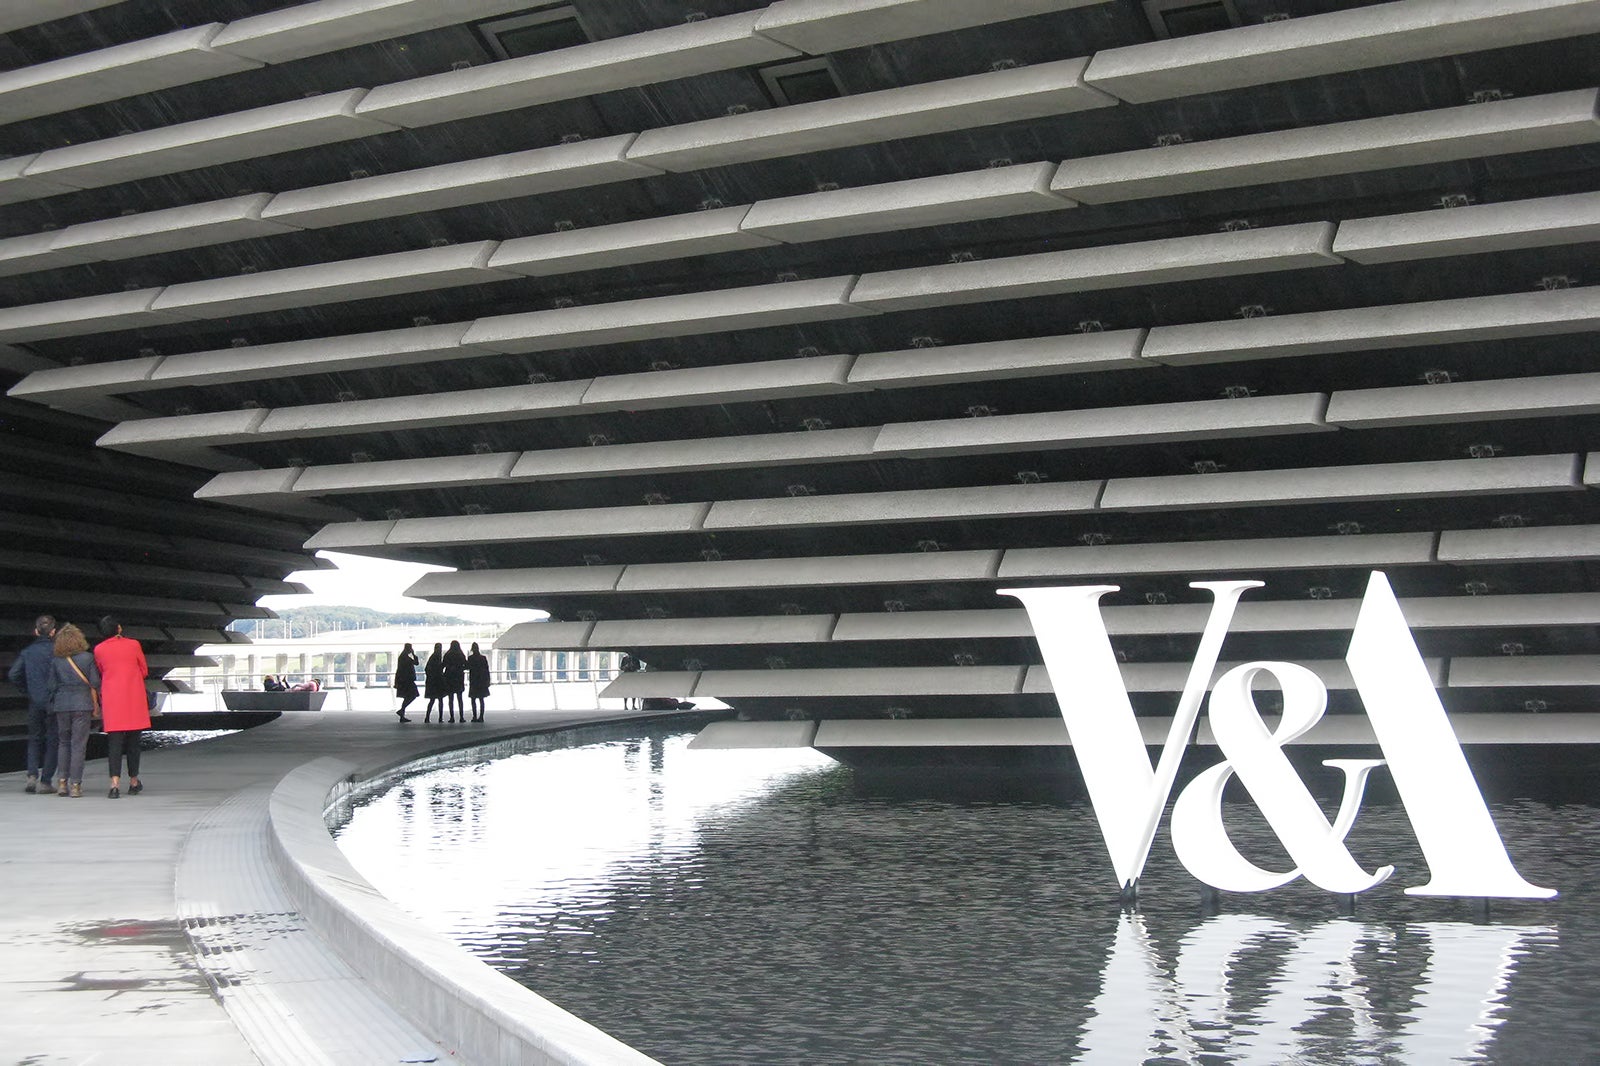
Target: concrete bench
(255, 700)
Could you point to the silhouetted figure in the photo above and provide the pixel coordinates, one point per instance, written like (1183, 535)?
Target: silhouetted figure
(30, 672)
(455, 679)
(433, 683)
(405, 680)
(477, 681)
(124, 701)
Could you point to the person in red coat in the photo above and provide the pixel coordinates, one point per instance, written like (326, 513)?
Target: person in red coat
(124, 703)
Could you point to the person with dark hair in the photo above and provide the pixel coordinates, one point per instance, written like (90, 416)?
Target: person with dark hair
(124, 701)
(30, 672)
(274, 683)
(455, 679)
(477, 681)
(72, 684)
(433, 683)
(405, 680)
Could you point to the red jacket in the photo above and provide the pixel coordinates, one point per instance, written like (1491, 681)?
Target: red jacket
(123, 700)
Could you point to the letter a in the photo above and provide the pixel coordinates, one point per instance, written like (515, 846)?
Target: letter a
(1465, 854)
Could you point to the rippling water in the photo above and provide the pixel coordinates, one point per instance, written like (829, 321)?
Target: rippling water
(759, 908)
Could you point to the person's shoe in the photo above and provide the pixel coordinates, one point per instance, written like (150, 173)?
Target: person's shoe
(77, 790)
(33, 783)
(402, 716)
(115, 793)
(138, 787)
(61, 786)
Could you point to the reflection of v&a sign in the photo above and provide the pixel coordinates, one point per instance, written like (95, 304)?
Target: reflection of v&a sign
(1459, 840)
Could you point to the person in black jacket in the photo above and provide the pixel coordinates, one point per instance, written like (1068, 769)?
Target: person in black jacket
(477, 681)
(405, 680)
(433, 683)
(455, 679)
(30, 672)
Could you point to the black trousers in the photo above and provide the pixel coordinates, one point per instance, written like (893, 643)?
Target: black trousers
(117, 742)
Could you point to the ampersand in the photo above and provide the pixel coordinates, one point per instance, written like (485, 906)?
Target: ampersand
(1255, 754)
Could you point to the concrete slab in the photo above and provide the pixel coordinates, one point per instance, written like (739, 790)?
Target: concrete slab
(308, 29)
(1527, 544)
(1538, 223)
(885, 681)
(868, 508)
(79, 315)
(998, 360)
(645, 240)
(709, 453)
(672, 632)
(1555, 396)
(170, 229)
(910, 568)
(258, 362)
(1363, 551)
(522, 526)
(732, 383)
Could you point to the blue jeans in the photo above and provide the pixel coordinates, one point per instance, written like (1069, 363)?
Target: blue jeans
(42, 744)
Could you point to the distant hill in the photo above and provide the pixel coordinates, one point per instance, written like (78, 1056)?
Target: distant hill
(308, 620)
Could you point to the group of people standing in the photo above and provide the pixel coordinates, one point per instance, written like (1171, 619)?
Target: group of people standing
(68, 688)
(446, 675)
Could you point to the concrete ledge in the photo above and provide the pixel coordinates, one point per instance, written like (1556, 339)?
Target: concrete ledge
(1501, 671)
(537, 636)
(1365, 551)
(1474, 130)
(819, 26)
(889, 681)
(1527, 545)
(308, 29)
(1471, 230)
(705, 453)
(169, 229)
(728, 736)
(261, 700)
(645, 240)
(522, 526)
(1073, 353)
(672, 632)
(1355, 39)
(1455, 402)
(868, 508)
(911, 568)
(472, 1007)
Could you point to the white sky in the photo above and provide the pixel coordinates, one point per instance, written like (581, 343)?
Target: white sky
(379, 584)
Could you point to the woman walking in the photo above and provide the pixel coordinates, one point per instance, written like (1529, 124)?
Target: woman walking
(455, 679)
(124, 701)
(477, 681)
(405, 680)
(433, 683)
(72, 684)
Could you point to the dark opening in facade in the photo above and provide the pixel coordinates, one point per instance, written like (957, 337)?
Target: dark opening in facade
(1185, 18)
(532, 32)
(801, 82)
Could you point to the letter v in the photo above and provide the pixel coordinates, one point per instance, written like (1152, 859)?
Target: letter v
(1128, 796)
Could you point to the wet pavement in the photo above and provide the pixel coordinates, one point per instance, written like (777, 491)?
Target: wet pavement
(151, 928)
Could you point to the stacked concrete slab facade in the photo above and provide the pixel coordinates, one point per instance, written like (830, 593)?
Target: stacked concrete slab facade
(775, 395)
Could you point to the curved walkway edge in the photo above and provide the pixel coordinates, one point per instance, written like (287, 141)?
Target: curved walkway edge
(462, 1002)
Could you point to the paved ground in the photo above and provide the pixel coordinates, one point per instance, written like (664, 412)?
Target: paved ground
(150, 929)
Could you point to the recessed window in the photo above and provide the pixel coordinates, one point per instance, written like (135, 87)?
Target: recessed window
(802, 82)
(1185, 18)
(533, 32)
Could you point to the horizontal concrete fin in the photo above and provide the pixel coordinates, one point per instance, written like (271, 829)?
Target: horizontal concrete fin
(819, 26)
(909, 568)
(997, 360)
(473, 181)
(520, 582)
(665, 54)
(901, 205)
(79, 315)
(1113, 266)
(1142, 424)
(207, 142)
(1208, 557)
(250, 484)
(1471, 230)
(537, 636)
(1468, 132)
(647, 240)
(16, 186)
(869, 508)
(731, 383)
(646, 684)
(1511, 670)
(1529, 544)
(1359, 329)
(1171, 677)
(932, 625)
(98, 379)
(1370, 36)
(394, 347)
(31, 252)
(890, 681)
(1416, 480)
(402, 474)
(914, 110)
(309, 29)
(685, 314)
(673, 632)
(720, 736)
(709, 453)
(350, 279)
(170, 229)
(395, 413)
(207, 427)
(341, 535)
(116, 73)
(549, 525)
(943, 733)
(1465, 401)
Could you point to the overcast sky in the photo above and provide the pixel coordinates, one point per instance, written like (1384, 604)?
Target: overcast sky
(379, 584)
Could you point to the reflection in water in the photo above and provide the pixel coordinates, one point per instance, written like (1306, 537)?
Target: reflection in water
(756, 907)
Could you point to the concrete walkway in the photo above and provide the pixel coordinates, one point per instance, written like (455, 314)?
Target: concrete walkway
(153, 929)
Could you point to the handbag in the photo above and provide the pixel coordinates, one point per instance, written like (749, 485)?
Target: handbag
(94, 696)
